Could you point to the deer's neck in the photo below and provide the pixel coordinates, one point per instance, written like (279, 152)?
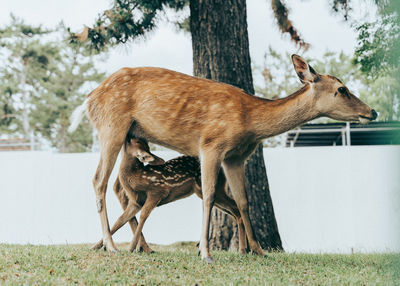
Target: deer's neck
(273, 117)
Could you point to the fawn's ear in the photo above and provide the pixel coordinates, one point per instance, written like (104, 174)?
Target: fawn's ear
(304, 71)
(149, 158)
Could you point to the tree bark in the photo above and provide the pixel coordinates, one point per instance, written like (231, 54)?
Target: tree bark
(221, 52)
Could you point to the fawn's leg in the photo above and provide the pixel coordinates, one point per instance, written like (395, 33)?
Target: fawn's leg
(142, 241)
(124, 201)
(131, 210)
(235, 176)
(149, 205)
(133, 223)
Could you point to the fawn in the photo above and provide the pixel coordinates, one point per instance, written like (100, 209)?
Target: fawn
(144, 187)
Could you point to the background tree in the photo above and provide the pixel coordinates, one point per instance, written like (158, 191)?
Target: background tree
(27, 62)
(61, 94)
(41, 83)
(221, 52)
(378, 47)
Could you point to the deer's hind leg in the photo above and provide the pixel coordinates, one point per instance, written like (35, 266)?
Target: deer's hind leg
(227, 205)
(235, 176)
(111, 140)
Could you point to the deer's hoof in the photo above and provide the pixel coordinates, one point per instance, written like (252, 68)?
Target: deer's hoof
(97, 246)
(110, 249)
(242, 251)
(209, 260)
(114, 250)
(147, 249)
(258, 252)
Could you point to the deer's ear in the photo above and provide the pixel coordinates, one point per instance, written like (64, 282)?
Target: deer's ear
(149, 158)
(304, 71)
(157, 160)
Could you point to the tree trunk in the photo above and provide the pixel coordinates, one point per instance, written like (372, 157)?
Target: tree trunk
(221, 52)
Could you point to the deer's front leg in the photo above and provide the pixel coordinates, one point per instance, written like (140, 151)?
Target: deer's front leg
(235, 176)
(210, 165)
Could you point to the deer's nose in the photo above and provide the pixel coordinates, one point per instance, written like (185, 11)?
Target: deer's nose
(374, 114)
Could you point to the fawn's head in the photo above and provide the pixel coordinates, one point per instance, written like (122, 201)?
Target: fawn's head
(331, 97)
(140, 149)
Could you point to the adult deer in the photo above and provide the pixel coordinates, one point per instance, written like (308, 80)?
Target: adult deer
(217, 122)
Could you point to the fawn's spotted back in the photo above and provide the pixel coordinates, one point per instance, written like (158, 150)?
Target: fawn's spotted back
(174, 172)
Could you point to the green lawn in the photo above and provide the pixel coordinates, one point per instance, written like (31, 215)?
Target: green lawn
(178, 264)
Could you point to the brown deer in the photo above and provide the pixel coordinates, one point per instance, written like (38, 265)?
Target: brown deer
(219, 123)
(144, 187)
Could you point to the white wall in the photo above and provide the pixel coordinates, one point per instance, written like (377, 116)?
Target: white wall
(326, 199)
(335, 199)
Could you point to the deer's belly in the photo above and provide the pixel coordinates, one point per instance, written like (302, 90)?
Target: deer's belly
(179, 192)
(183, 140)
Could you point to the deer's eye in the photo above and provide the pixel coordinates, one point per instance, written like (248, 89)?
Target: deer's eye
(343, 91)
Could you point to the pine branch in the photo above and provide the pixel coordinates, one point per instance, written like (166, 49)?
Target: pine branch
(285, 25)
(126, 20)
(341, 6)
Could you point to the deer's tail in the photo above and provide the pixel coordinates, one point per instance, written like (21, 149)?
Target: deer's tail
(77, 115)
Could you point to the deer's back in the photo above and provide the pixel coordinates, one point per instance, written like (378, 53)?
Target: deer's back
(173, 109)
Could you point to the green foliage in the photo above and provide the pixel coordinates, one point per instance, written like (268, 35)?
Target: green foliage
(178, 264)
(126, 20)
(27, 65)
(43, 81)
(378, 47)
(378, 53)
(382, 93)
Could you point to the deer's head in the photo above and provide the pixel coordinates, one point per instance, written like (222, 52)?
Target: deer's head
(140, 149)
(331, 97)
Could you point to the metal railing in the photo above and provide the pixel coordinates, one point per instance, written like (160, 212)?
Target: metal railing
(345, 132)
(18, 144)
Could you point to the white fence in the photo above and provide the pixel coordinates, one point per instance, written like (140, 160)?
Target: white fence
(326, 199)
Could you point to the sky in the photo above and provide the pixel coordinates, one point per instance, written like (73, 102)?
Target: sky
(166, 47)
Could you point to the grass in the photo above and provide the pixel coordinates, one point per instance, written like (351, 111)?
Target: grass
(178, 264)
